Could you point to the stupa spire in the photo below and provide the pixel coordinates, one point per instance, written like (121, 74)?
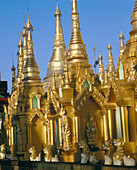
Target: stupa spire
(110, 59)
(66, 79)
(106, 75)
(122, 45)
(20, 61)
(122, 38)
(13, 69)
(101, 68)
(31, 70)
(77, 52)
(57, 61)
(25, 47)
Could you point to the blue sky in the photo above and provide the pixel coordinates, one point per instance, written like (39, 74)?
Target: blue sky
(98, 20)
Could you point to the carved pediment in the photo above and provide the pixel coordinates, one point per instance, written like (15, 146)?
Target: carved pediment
(85, 95)
(113, 86)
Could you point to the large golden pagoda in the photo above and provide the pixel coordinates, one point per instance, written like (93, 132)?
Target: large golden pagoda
(73, 106)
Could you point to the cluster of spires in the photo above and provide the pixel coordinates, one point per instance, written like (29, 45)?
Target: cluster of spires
(28, 70)
(103, 75)
(27, 67)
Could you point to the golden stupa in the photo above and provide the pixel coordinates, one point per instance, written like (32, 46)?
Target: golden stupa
(72, 105)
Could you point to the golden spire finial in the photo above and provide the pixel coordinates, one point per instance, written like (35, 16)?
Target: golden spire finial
(121, 37)
(122, 45)
(13, 73)
(74, 6)
(100, 58)
(109, 49)
(31, 70)
(77, 50)
(29, 25)
(20, 61)
(109, 46)
(101, 68)
(94, 51)
(25, 48)
(58, 28)
(57, 12)
(20, 45)
(106, 75)
(110, 59)
(24, 33)
(66, 81)
(20, 41)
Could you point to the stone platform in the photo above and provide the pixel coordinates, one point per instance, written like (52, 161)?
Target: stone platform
(26, 165)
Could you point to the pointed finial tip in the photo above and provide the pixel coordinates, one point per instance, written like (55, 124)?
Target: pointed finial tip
(57, 12)
(109, 46)
(20, 41)
(29, 25)
(121, 34)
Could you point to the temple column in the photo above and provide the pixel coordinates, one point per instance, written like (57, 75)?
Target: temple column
(57, 132)
(123, 122)
(110, 123)
(127, 124)
(12, 140)
(60, 132)
(124, 117)
(77, 128)
(51, 131)
(105, 120)
(9, 136)
(45, 133)
(74, 131)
